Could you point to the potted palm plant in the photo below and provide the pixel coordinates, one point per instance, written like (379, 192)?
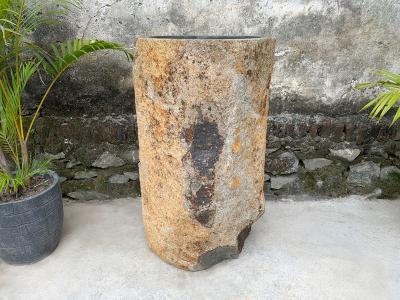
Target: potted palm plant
(31, 209)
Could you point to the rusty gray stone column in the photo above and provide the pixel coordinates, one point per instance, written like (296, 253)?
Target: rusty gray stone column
(202, 105)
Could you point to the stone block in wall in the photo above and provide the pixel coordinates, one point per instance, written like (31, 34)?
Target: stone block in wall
(285, 163)
(389, 182)
(328, 180)
(362, 176)
(345, 152)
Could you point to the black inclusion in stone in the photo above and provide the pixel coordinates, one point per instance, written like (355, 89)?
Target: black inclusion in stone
(206, 148)
(204, 195)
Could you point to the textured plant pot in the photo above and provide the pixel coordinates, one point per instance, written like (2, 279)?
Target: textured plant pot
(202, 105)
(30, 229)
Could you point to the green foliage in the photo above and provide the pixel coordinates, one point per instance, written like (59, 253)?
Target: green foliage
(17, 180)
(18, 19)
(62, 55)
(386, 100)
(390, 186)
(20, 59)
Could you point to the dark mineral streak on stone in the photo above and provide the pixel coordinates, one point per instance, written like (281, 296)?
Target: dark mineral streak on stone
(205, 147)
(203, 196)
(205, 217)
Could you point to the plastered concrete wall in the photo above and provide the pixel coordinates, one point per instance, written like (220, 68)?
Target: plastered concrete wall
(324, 47)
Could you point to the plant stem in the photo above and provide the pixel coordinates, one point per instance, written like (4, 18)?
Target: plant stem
(25, 161)
(17, 39)
(3, 162)
(41, 104)
(9, 103)
(22, 4)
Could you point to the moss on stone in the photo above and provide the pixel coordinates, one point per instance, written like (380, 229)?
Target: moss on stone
(327, 181)
(74, 185)
(390, 187)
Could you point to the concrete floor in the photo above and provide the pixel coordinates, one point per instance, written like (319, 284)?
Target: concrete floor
(343, 249)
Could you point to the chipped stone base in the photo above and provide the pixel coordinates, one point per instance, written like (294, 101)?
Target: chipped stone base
(214, 256)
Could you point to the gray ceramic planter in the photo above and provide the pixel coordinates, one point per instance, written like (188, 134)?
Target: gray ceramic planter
(30, 229)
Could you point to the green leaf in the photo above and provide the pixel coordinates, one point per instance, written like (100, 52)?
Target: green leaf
(396, 117)
(380, 104)
(39, 167)
(372, 102)
(365, 85)
(5, 180)
(389, 75)
(63, 55)
(394, 97)
(386, 100)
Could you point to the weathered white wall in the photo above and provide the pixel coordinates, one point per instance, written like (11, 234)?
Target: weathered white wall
(324, 47)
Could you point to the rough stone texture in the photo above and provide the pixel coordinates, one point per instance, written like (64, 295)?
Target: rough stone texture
(57, 156)
(286, 163)
(131, 155)
(118, 179)
(316, 163)
(267, 177)
(363, 174)
(387, 171)
(328, 181)
(132, 175)
(299, 130)
(308, 137)
(88, 195)
(107, 160)
(346, 154)
(72, 163)
(85, 174)
(377, 150)
(202, 109)
(278, 182)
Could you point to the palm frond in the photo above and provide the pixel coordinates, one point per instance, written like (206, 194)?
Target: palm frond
(14, 84)
(386, 100)
(393, 77)
(63, 55)
(39, 167)
(12, 87)
(7, 144)
(18, 19)
(34, 14)
(5, 181)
